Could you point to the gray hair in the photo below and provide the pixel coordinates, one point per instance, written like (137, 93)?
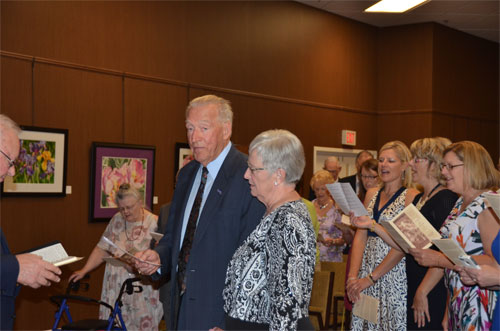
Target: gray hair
(363, 152)
(8, 124)
(223, 106)
(331, 159)
(280, 149)
(127, 190)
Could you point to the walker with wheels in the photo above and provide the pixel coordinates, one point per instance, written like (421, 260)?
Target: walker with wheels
(115, 320)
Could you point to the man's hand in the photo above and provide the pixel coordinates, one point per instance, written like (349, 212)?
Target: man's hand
(35, 272)
(150, 256)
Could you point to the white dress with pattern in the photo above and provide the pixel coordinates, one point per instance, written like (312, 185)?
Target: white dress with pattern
(141, 311)
(391, 288)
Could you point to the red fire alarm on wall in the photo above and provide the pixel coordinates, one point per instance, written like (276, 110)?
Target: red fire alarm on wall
(349, 137)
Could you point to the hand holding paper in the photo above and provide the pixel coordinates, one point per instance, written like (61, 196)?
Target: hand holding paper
(147, 262)
(108, 241)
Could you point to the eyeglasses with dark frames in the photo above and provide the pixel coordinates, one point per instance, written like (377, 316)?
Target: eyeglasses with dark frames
(11, 162)
(449, 166)
(253, 170)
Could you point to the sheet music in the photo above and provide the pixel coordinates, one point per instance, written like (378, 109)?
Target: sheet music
(455, 253)
(156, 235)
(493, 200)
(366, 308)
(55, 254)
(115, 262)
(108, 241)
(346, 198)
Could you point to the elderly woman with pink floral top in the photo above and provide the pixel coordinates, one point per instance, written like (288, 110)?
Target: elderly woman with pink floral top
(129, 229)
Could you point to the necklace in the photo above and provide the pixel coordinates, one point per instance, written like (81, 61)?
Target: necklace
(126, 234)
(421, 202)
(324, 206)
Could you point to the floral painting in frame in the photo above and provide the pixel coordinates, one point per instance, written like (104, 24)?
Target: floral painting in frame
(41, 164)
(113, 165)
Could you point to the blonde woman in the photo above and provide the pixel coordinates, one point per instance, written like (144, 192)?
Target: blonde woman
(330, 242)
(375, 269)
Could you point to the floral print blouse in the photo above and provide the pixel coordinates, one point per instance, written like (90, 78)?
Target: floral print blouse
(470, 307)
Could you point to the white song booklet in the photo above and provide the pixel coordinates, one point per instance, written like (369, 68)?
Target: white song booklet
(366, 308)
(55, 254)
(346, 199)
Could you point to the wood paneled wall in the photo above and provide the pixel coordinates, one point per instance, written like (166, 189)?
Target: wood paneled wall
(124, 72)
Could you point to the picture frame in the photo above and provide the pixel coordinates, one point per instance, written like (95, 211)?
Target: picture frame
(41, 164)
(113, 164)
(183, 154)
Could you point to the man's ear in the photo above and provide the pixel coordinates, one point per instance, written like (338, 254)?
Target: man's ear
(227, 130)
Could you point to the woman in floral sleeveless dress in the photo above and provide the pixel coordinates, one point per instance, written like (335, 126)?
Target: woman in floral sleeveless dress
(376, 269)
(130, 229)
(469, 172)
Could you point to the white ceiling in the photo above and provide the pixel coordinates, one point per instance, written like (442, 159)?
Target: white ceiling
(476, 17)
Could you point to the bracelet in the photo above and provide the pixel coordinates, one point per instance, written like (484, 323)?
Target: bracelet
(351, 278)
(372, 228)
(370, 276)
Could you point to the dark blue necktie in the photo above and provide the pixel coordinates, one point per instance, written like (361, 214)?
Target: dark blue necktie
(189, 235)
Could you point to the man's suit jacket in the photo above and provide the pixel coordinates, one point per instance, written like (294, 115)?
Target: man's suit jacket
(165, 284)
(9, 273)
(351, 180)
(229, 214)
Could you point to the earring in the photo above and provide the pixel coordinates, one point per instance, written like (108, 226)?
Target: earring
(275, 183)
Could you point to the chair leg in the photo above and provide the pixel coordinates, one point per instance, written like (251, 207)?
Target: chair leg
(335, 313)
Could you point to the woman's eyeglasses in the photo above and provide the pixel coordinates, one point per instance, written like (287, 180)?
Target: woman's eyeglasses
(449, 166)
(369, 177)
(253, 170)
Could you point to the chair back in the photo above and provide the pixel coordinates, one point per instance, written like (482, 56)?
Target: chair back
(321, 297)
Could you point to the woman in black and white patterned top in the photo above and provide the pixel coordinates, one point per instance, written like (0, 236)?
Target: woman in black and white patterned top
(269, 279)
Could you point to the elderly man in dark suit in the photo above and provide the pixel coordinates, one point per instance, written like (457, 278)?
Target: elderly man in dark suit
(211, 214)
(354, 180)
(25, 269)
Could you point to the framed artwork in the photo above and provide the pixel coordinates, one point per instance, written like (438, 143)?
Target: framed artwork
(41, 164)
(183, 155)
(112, 165)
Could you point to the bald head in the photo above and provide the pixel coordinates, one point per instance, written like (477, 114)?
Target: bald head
(9, 146)
(333, 166)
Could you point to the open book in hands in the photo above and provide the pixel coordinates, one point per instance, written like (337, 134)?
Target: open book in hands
(54, 253)
(410, 229)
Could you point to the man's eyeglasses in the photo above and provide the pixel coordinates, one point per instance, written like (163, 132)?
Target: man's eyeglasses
(368, 177)
(253, 170)
(11, 162)
(449, 166)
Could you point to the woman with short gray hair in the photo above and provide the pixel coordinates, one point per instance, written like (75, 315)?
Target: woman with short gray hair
(129, 229)
(269, 279)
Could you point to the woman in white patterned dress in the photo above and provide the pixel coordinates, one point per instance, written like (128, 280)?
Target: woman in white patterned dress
(376, 269)
(129, 229)
(269, 279)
